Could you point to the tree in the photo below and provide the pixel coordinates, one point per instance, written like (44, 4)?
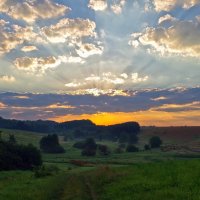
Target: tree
(131, 148)
(50, 144)
(15, 156)
(89, 148)
(155, 142)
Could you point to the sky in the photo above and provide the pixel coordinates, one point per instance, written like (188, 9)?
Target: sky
(109, 61)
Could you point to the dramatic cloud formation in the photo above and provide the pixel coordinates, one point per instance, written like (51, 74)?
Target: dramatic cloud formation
(41, 64)
(176, 106)
(168, 5)
(71, 30)
(9, 40)
(180, 38)
(86, 50)
(106, 81)
(30, 11)
(107, 58)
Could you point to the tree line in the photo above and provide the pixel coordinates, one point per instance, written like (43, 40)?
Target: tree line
(78, 129)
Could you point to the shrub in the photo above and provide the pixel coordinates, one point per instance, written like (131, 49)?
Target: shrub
(50, 144)
(44, 171)
(155, 142)
(103, 150)
(14, 156)
(147, 147)
(89, 148)
(118, 150)
(131, 148)
(12, 139)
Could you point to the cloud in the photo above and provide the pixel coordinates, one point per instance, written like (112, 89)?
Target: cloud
(182, 38)
(71, 30)
(2, 106)
(166, 18)
(86, 50)
(8, 79)
(72, 85)
(29, 48)
(40, 64)
(136, 79)
(178, 107)
(3, 22)
(30, 11)
(145, 105)
(101, 84)
(36, 64)
(117, 7)
(59, 106)
(168, 5)
(98, 5)
(10, 40)
(159, 98)
(21, 97)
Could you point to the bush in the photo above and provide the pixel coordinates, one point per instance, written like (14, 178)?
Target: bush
(44, 171)
(147, 147)
(131, 148)
(103, 150)
(155, 142)
(50, 144)
(118, 150)
(12, 139)
(89, 148)
(14, 156)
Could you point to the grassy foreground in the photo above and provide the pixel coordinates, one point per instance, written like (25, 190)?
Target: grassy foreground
(145, 175)
(172, 180)
(22, 185)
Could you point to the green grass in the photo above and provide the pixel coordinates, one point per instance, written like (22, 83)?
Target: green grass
(145, 175)
(22, 185)
(168, 180)
(172, 180)
(22, 137)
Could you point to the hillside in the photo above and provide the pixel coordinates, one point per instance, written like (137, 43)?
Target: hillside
(172, 135)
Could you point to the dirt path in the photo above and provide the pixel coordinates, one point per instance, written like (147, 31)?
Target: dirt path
(90, 189)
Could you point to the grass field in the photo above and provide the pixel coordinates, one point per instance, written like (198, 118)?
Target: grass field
(144, 175)
(172, 180)
(22, 185)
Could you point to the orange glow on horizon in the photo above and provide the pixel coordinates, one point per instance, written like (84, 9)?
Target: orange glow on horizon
(145, 118)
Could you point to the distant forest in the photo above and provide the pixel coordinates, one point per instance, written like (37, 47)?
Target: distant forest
(77, 129)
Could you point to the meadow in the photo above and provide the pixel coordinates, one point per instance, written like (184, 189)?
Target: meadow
(142, 175)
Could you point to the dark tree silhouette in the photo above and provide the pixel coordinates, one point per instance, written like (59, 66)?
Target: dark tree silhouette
(14, 156)
(50, 144)
(90, 147)
(155, 142)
